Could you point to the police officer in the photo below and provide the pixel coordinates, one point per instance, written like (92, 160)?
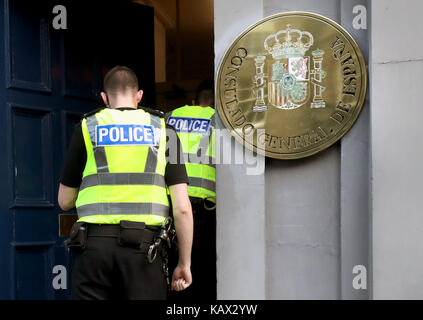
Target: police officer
(195, 128)
(116, 175)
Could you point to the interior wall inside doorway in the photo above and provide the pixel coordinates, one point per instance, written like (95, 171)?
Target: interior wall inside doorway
(184, 49)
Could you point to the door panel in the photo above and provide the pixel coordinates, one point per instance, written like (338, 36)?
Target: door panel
(36, 147)
(82, 76)
(52, 77)
(27, 31)
(33, 259)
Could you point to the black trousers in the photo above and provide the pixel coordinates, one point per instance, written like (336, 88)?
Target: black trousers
(203, 258)
(105, 270)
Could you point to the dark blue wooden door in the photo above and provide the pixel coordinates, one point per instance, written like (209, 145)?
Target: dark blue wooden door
(48, 79)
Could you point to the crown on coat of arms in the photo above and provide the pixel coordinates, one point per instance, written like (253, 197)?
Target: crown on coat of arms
(295, 43)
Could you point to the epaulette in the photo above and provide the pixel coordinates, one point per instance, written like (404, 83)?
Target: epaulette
(93, 112)
(155, 112)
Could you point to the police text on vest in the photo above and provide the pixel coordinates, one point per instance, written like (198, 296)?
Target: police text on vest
(124, 134)
(189, 125)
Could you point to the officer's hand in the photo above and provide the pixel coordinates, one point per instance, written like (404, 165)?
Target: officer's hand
(181, 278)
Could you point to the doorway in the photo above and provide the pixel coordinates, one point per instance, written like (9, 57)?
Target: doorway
(184, 49)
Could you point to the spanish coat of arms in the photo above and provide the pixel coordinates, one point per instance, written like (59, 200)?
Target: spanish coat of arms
(288, 86)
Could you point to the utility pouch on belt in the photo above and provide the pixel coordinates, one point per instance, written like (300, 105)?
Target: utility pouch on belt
(78, 236)
(131, 233)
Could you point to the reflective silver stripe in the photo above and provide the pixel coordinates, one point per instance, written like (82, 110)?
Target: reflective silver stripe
(212, 126)
(205, 160)
(134, 178)
(203, 146)
(202, 183)
(99, 152)
(153, 151)
(204, 142)
(213, 120)
(123, 208)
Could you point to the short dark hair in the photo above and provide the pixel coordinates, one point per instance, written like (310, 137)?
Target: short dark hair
(205, 93)
(120, 79)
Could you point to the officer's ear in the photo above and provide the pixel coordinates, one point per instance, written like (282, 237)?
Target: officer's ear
(104, 97)
(139, 95)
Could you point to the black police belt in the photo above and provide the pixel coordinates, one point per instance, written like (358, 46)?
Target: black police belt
(128, 233)
(205, 203)
(149, 239)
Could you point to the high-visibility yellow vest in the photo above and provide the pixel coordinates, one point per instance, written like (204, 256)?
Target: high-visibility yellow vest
(123, 178)
(195, 128)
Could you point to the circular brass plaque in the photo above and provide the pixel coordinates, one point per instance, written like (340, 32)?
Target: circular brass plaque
(291, 85)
